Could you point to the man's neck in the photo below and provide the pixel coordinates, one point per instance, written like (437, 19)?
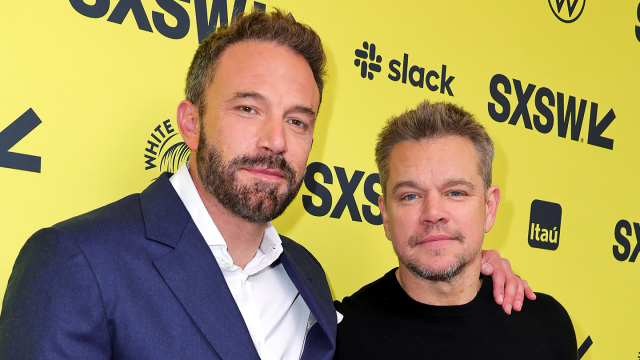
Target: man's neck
(243, 237)
(461, 290)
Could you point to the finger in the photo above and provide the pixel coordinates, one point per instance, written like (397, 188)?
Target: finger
(517, 303)
(511, 287)
(498, 279)
(528, 292)
(486, 269)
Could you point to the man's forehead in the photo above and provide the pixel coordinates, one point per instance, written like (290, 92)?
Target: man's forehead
(251, 55)
(441, 159)
(448, 148)
(248, 66)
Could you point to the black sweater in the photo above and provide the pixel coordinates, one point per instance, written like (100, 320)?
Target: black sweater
(382, 322)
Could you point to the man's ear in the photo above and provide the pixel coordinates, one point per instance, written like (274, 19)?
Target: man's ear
(383, 212)
(187, 119)
(492, 202)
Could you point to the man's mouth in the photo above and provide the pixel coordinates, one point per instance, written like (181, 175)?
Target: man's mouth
(269, 174)
(436, 240)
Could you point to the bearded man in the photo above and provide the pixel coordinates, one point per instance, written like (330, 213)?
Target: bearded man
(191, 268)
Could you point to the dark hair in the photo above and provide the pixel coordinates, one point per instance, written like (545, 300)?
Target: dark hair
(430, 121)
(275, 27)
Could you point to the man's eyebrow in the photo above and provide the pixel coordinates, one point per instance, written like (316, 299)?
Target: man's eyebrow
(305, 110)
(257, 96)
(459, 182)
(401, 184)
(449, 183)
(247, 95)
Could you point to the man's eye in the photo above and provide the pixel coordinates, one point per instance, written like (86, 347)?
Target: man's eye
(455, 193)
(246, 109)
(298, 123)
(410, 197)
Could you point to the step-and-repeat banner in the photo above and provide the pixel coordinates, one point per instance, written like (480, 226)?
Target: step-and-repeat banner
(89, 90)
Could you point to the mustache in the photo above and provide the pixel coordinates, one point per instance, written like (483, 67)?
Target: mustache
(267, 161)
(438, 228)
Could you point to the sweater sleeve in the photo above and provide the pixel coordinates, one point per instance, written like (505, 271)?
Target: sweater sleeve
(53, 306)
(559, 324)
(569, 334)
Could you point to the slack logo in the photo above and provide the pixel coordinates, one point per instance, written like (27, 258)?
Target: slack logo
(544, 225)
(403, 71)
(363, 56)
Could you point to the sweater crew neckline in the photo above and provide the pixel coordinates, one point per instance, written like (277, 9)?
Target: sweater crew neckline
(416, 307)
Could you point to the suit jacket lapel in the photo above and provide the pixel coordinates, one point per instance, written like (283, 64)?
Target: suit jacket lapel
(192, 273)
(313, 287)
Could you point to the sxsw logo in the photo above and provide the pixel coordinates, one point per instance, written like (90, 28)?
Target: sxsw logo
(622, 250)
(347, 201)
(568, 118)
(368, 60)
(173, 13)
(544, 225)
(569, 13)
(11, 135)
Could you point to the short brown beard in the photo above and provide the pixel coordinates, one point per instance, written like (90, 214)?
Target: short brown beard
(420, 270)
(259, 202)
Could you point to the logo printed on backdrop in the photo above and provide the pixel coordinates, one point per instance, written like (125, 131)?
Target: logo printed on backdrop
(165, 150)
(566, 112)
(544, 225)
(568, 13)
(11, 135)
(586, 344)
(622, 250)
(402, 70)
(347, 199)
(638, 27)
(205, 25)
(362, 60)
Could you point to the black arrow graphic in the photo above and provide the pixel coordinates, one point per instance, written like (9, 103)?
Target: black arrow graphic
(584, 347)
(10, 136)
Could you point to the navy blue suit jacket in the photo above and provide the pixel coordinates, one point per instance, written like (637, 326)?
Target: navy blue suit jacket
(136, 280)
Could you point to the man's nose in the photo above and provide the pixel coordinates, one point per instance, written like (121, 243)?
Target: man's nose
(272, 135)
(434, 210)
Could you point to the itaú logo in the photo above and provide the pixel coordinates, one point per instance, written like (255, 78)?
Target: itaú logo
(544, 225)
(567, 11)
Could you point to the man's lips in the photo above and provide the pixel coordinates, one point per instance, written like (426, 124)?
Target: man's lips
(270, 174)
(436, 239)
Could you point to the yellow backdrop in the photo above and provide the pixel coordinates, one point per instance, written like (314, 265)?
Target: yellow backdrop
(555, 84)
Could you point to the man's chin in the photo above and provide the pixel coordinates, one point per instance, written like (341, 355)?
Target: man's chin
(260, 207)
(444, 269)
(266, 185)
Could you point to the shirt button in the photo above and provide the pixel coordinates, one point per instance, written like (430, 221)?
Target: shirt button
(227, 265)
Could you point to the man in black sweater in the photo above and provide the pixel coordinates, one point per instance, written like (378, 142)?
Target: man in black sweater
(435, 165)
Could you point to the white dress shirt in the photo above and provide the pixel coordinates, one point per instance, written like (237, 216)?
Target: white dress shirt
(275, 314)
